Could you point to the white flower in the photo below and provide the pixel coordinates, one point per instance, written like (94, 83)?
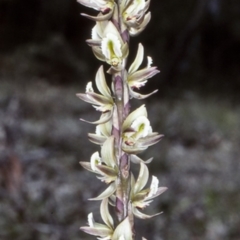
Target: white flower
(137, 132)
(105, 6)
(105, 167)
(138, 78)
(141, 198)
(101, 102)
(134, 15)
(107, 44)
(107, 231)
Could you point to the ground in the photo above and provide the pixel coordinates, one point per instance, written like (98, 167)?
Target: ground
(44, 190)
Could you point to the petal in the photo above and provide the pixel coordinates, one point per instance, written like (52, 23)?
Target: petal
(95, 138)
(150, 140)
(160, 190)
(104, 129)
(135, 159)
(99, 99)
(141, 126)
(93, 43)
(95, 4)
(111, 46)
(133, 149)
(141, 215)
(139, 96)
(104, 211)
(138, 59)
(98, 53)
(95, 160)
(107, 152)
(153, 186)
(102, 232)
(86, 165)
(101, 83)
(142, 178)
(103, 119)
(102, 17)
(110, 28)
(123, 230)
(106, 193)
(108, 171)
(141, 111)
(86, 98)
(142, 75)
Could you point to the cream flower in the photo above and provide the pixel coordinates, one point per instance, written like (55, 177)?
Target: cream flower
(101, 102)
(134, 15)
(107, 44)
(137, 132)
(138, 78)
(105, 6)
(107, 231)
(141, 198)
(105, 167)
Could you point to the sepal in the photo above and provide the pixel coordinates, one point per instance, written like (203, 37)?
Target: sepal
(105, 6)
(123, 231)
(106, 193)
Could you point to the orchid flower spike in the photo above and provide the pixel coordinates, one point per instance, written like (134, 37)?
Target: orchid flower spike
(104, 6)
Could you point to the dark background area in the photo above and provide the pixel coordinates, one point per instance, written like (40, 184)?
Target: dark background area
(195, 43)
(44, 61)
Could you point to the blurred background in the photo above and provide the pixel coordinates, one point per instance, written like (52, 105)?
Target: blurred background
(44, 62)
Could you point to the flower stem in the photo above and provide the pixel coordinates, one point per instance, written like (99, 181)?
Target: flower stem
(123, 208)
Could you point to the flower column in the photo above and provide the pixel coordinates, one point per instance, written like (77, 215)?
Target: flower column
(121, 135)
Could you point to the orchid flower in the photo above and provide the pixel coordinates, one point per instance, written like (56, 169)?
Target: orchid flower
(141, 198)
(134, 15)
(138, 78)
(103, 103)
(105, 166)
(105, 6)
(107, 231)
(107, 44)
(137, 132)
